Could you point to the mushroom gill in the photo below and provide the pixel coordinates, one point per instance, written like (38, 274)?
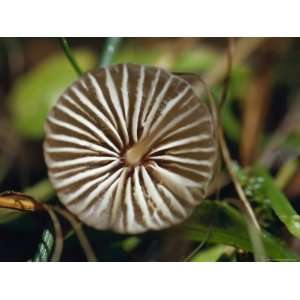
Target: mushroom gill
(130, 148)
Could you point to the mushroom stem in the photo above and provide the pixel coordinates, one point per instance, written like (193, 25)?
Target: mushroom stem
(136, 153)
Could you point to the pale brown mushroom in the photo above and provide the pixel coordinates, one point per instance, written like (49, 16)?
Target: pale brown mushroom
(130, 148)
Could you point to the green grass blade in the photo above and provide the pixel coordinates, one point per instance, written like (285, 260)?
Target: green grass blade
(227, 226)
(257, 243)
(212, 254)
(268, 189)
(111, 46)
(65, 46)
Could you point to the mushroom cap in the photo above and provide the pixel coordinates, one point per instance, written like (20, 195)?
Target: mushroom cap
(130, 148)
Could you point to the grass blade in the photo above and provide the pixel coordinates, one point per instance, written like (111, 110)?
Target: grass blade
(111, 46)
(228, 227)
(65, 45)
(268, 189)
(212, 254)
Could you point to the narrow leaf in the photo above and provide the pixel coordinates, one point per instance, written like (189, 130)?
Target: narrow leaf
(212, 254)
(111, 46)
(227, 226)
(278, 201)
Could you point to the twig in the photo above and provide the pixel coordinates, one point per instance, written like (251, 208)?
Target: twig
(85, 244)
(111, 46)
(244, 47)
(23, 202)
(220, 133)
(229, 166)
(69, 55)
(18, 201)
(254, 227)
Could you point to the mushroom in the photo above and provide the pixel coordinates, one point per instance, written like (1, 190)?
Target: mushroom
(130, 148)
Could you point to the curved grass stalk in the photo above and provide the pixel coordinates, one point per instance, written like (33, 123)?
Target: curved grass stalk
(111, 46)
(84, 242)
(67, 50)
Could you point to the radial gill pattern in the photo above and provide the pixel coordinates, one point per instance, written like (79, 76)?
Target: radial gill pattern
(130, 148)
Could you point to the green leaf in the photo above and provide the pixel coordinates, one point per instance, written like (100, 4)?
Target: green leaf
(267, 189)
(212, 254)
(225, 225)
(35, 92)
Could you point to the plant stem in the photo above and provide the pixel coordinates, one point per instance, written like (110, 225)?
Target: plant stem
(286, 172)
(84, 242)
(19, 201)
(254, 228)
(243, 48)
(111, 46)
(229, 166)
(25, 202)
(70, 56)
